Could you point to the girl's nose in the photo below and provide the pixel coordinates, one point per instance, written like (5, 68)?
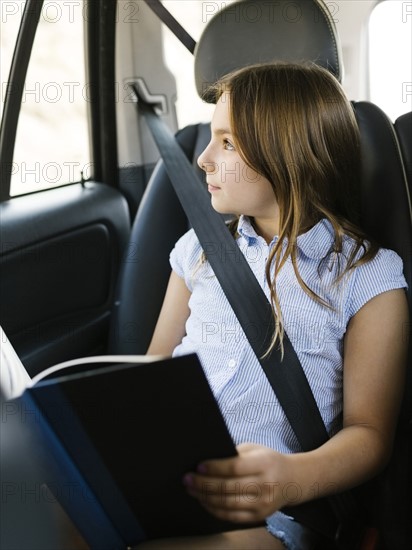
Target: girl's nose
(206, 165)
(209, 167)
(200, 160)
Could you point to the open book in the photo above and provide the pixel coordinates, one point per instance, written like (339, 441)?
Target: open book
(117, 434)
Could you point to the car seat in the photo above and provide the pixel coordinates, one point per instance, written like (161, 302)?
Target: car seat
(403, 128)
(261, 31)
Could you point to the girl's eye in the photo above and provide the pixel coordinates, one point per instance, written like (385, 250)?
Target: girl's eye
(228, 145)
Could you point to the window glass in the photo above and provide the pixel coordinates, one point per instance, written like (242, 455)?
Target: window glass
(193, 16)
(390, 32)
(52, 146)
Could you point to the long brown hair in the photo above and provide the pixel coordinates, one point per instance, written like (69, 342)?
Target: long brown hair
(293, 124)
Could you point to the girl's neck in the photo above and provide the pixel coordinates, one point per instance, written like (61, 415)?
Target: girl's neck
(266, 228)
(269, 228)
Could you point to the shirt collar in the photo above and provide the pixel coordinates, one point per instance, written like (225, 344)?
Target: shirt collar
(314, 244)
(246, 230)
(318, 241)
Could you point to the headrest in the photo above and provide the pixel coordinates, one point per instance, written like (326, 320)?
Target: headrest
(257, 31)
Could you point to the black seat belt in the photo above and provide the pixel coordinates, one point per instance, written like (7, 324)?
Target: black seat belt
(167, 18)
(254, 313)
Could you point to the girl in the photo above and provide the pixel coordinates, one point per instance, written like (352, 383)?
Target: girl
(284, 160)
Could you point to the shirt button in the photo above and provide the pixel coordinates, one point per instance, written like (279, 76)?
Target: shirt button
(231, 363)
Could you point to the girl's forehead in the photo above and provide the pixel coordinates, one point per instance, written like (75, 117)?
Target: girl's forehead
(221, 115)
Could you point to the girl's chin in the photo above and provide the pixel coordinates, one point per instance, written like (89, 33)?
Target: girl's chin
(221, 209)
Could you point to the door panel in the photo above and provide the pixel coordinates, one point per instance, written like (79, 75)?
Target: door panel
(60, 252)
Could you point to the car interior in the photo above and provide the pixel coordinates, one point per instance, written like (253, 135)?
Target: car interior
(84, 267)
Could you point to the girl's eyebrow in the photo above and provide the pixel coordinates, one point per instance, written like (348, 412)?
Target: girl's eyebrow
(220, 131)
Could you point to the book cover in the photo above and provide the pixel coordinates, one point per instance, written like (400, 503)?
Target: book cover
(120, 436)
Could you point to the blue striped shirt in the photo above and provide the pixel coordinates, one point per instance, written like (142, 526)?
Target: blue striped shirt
(245, 397)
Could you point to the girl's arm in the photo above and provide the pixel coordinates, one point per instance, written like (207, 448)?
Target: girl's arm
(170, 327)
(375, 352)
(260, 481)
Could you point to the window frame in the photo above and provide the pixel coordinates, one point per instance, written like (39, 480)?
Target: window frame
(99, 27)
(14, 91)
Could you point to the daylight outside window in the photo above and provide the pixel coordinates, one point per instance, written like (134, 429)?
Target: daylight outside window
(390, 46)
(51, 146)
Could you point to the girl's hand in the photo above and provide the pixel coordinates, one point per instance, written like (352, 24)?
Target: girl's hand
(246, 488)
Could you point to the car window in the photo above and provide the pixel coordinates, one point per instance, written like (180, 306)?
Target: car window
(390, 46)
(51, 147)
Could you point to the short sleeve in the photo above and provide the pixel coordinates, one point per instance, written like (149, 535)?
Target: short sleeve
(176, 260)
(185, 256)
(384, 272)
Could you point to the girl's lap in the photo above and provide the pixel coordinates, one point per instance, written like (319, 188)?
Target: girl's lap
(281, 533)
(257, 538)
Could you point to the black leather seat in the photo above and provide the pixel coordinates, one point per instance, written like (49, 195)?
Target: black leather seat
(403, 128)
(386, 212)
(386, 215)
(261, 32)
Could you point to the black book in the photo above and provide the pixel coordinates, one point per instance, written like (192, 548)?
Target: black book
(117, 434)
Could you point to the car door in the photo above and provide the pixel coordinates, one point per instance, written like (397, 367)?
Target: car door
(64, 222)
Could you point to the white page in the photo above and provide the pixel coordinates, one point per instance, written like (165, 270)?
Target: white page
(14, 378)
(93, 360)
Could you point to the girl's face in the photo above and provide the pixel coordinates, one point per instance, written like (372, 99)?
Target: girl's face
(235, 188)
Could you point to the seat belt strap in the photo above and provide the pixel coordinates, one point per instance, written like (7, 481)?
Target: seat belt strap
(249, 304)
(167, 18)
